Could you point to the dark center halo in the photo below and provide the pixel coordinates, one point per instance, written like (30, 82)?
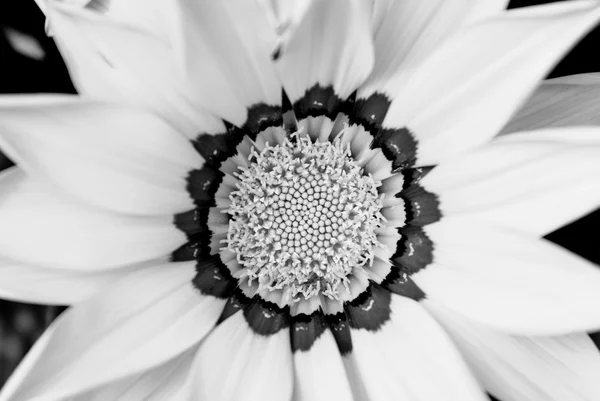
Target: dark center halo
(414, 250)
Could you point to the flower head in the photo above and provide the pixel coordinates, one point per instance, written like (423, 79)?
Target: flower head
(256, 202)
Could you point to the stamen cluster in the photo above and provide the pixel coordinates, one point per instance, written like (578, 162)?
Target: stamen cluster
(303, 218)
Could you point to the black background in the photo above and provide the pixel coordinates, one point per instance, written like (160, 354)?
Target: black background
(21, 324)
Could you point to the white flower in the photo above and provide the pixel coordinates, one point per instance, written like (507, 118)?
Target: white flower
(256, 203)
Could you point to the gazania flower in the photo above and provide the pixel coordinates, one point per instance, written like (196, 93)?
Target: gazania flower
(256, 203)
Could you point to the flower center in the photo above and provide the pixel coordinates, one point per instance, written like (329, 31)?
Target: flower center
(303, 218)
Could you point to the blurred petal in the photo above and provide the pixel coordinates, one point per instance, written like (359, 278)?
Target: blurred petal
(119, 158)
(64, 233)
(533, 181)
(235, 363)
(510, 281)
(47, 285)
(138, 324)
(560, 102)
(225, 48)
(165, 382)
(114, 60)
(489, 71)
(410, 357)
(526, 368)
(406, 32)
(330, 46)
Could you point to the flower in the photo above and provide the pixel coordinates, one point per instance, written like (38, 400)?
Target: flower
(261, 203)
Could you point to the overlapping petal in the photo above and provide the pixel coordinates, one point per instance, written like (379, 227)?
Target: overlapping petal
(224, 51)
(120, 158)
(40, 226)
(407, 32)
(330, 46)
(516, 368)
(410, 357)
(235, 363)
(509, 281)
(560, 102)
(489, 70)
(533, 181)
(113, 59)
(139, 323)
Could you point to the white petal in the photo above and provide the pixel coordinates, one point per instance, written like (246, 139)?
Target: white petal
(119, 158)
(225, 49)
(330, 46)
(139, 323)
(489, 70)
(165, 382)
(45, 285)
(410, 358)
(116, 60)
(560, 102)
(510, 281)
(406, 32)
(319, 372)
(515, 368)
(41, 226)
(234, 363)
(533, 181)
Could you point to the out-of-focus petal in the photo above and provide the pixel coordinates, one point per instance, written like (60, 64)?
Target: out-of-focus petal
(560, 102)
(489, 70)
(509, 281)
(515, 368)
(41, 226)
(532, 181)
(142, 321)
(119, 158)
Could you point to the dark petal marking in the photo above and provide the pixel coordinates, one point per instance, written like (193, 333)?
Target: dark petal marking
(186, 252)
(318, 101)
(371, 309)
(399, 282)
(414, 250)
(422, 207)
(203, 184)
(414, 175)
(398, 146)
(217, 148)
(260, 117)
(213, 278)
(266, 318)
(370, 112)
(191, 222)
(340, 328)
(306, 329)
(235, 303)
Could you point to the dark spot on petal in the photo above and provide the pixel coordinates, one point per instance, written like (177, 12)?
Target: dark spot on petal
(340, 328)
(236, 302)
(414, 175)
(398, 146)
(203, 184)
(422, 207)
(276, 53)
(399, 282)
(369, 310)
(318, 101)
(414, 250)
(266, 318)
(260, 117)
(370, 112)
(213, 278)
(306, 329)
